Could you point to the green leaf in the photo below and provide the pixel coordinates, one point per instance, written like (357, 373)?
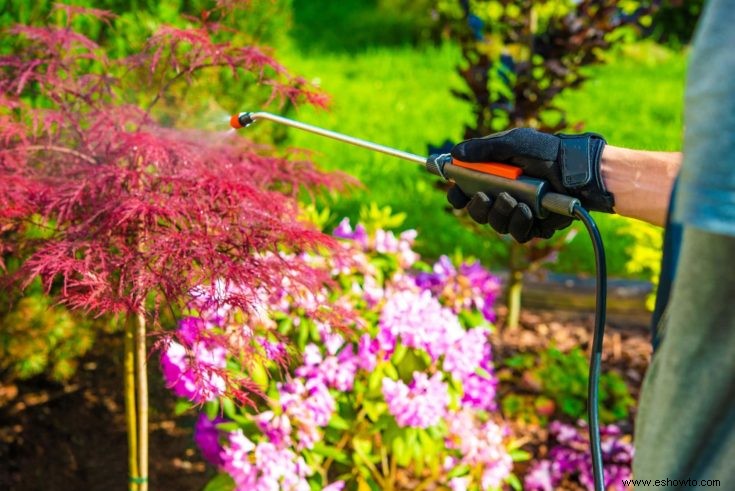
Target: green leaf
(220, 482)
(400, 451)
(390, 371)
(260, 376)
(228, 408)
(514, 482)
(211, 409)
(315, 482)
(314, 332)
(391, 432)
(572, 407)
(338, 423)
(412, 362)
(472, 318)
(228, 426)
(518, 455)
(374, 409)
(458, 471)
(518, 361)
(338, 455)
(182, 406)
(375, 381)
(367, 484)
(398, 354)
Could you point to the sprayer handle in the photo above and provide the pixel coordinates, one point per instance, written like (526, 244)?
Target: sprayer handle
(493, 178)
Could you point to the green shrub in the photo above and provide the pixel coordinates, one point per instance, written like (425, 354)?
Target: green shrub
(558, 382)
(675, 22)
(38, 337)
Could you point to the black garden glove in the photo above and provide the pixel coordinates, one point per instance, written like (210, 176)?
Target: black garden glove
(570, 163)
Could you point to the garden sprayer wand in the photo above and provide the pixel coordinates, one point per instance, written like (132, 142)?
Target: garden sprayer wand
(493, 178)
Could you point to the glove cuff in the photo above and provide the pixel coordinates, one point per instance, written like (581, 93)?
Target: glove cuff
(579, 158)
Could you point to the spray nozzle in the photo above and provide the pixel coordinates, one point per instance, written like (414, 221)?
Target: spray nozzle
(241, 120)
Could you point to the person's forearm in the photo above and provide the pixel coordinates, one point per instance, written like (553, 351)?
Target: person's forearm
(640, 181)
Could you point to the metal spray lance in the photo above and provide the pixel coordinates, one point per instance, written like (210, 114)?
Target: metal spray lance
(491, 177)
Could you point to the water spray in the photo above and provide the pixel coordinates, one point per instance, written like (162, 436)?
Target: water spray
(494, 178)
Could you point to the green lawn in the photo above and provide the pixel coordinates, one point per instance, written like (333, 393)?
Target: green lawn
(399, 96)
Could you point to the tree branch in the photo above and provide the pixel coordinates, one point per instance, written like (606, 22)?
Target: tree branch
(57, 149)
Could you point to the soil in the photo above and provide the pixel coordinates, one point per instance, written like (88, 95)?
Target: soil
(72, 436)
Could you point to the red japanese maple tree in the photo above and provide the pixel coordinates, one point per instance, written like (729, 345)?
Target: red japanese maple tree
(138, 214)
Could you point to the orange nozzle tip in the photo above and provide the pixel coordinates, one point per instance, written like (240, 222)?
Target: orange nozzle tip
(235, 121)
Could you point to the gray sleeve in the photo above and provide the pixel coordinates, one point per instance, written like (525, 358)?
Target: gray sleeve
(706, 191)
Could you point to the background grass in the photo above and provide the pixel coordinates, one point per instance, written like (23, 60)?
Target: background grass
(352, 26)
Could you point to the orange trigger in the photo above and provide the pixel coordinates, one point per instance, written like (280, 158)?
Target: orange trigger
(497, 169)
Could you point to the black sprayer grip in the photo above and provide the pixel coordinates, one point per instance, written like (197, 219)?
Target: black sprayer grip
(527, 190)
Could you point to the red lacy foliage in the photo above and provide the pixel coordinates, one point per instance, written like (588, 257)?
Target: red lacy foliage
(137, 211)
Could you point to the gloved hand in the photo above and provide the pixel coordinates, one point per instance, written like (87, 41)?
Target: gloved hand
(570, 163)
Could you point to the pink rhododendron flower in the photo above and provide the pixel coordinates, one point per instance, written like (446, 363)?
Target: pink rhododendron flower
(480, 444)
(335, 486)
(420, 404)
(277, 429)
(479, 389)
(336, 372)
(367, 351)
(309, 405)
(467, 353)
(193, 370)
(206, 436)
(570, 456)
(470, 286)
(420, 321)
(404, 310)
(344, 231)
(387, 243)
(469, 361)
(539, 477)
(263, 467)
(459, 483)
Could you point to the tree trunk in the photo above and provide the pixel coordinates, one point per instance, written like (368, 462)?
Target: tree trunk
(515, 286)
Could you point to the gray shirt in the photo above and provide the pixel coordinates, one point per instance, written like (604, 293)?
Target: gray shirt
(706, 190)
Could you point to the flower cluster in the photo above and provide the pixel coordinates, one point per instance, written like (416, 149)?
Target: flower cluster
(194, 367)
(418, 320)
(310, 405)
(469, 361)
(263, 466)
(570, 457)
(480, 446)
(420, 404)
(383, 242)
(335, 371)
(470, 286)
(206, 436)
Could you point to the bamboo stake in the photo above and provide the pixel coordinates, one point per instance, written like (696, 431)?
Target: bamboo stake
(142, 379)
(130, 413)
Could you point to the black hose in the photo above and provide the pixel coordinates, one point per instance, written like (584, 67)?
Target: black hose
(597, 338)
